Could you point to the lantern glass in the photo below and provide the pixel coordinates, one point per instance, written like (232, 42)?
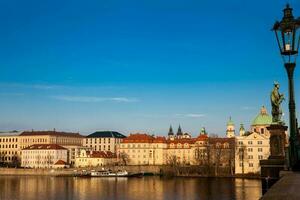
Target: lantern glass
(288, 36)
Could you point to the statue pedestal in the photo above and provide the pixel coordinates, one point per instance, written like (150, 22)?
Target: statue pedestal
(271, 167)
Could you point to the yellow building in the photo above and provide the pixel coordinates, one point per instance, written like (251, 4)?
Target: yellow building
(44, 156)
(143, 149)
(28, 138)
(9, 148)
(103, 140)
(87, 158)
(250, 149)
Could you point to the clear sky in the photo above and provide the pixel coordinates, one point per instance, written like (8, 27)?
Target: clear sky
(138, 65)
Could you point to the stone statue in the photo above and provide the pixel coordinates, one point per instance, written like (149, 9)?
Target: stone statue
(276, 100)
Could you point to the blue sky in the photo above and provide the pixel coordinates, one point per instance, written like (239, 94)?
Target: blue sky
(137, 65)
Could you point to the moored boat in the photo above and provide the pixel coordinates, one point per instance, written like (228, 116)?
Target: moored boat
(109, 173)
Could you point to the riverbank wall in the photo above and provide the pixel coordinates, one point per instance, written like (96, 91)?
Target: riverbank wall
(71, 171)
(153, 169)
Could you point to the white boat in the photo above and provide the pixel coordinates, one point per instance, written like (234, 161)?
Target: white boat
(108, 173)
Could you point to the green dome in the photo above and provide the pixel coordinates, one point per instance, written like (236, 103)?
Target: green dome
(262, 118)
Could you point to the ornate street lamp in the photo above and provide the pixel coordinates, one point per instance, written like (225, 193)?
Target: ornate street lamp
(288, 39)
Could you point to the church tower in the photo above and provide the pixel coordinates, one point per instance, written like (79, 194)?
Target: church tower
(171, 133)
(242, 130)
(230, 131)
(179, 132)
(203, 131)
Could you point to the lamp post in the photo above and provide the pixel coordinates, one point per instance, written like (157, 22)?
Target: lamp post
(288, 39)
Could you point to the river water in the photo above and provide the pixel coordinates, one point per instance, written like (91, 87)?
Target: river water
(152, 188)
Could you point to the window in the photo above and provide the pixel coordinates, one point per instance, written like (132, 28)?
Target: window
(260, 157)
(250, 157)
(250, 164)
(240, 142)
(250, 142)
(250, 150)
(259, 149)
(259, 142)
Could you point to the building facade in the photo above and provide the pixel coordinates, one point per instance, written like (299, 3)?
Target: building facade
(250, 149)
(103, 140)
(144, 149)
(28, 138)
(254, 145)
(9, 149)
(89, 158)
(43, 156)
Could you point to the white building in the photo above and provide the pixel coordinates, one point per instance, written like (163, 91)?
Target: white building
(250, 149)
(253, 146)
(43, 156)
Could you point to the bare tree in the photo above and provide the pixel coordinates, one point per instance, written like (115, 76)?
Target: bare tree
(242, 156)
(124, 158)
(174, 162)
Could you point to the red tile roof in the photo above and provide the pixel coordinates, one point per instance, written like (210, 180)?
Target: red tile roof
(144, 138)
(159, 139)
(138, 138)
(60, 162)
(44, 146)
(202, 138)
(101, 154)
(182, 141)
(52, 133)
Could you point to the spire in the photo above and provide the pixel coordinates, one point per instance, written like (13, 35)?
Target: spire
(171, 131)
(242, 127)
(230, 122)
(263, 110)
(242, 130)
(179, 132)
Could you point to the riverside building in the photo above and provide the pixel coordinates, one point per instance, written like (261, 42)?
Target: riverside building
(144, 149)
(71, 141)
(44, 156)
(90, 158)
(103, 140)
(9, 148)
(253, 146)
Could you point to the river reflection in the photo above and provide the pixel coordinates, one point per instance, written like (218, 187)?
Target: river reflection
(154, 188)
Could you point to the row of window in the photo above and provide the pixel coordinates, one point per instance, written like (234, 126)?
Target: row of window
(8, 139)
(249, 164)
(44, 152)
(251, 142)
(53, 140)
(8, 146)
(140, 145)
(242, 150)
(100, 148)
(241, 157)
(8, 153)
(99, 140)
(8, 158)
(40, 157)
